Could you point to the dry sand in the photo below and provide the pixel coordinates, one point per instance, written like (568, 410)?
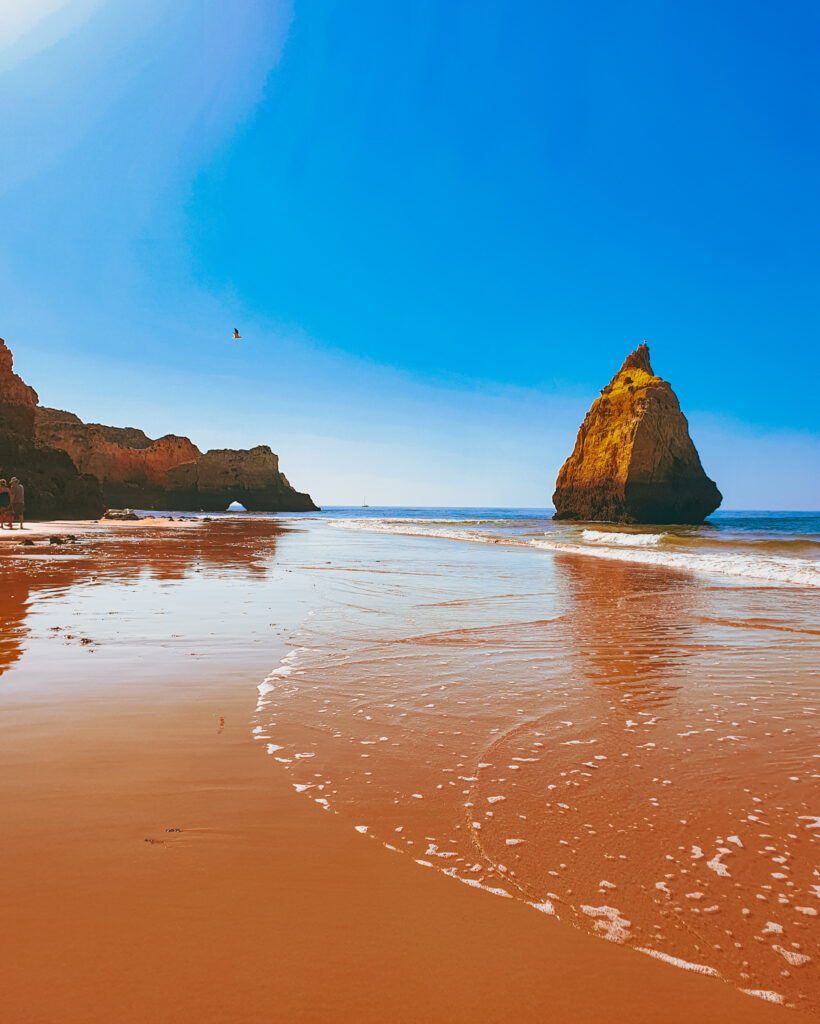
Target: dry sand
(262, 908)
(86, 527)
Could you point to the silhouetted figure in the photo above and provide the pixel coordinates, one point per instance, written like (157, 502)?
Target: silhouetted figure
(18, 502)
(5, 505)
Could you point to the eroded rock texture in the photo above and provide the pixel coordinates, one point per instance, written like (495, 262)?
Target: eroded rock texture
(55, 488)
(633, 460)
(132, 468)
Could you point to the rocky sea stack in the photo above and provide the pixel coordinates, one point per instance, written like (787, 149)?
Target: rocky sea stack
(75, 470)
(633, 460)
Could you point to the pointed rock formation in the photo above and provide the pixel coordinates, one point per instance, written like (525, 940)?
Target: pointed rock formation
(633, 460)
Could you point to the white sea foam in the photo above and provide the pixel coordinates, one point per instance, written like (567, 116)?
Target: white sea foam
(475, 884)
(762, 993)
(716, 865)
(608, 923)
(796, 571)
(791, 956)
(627, 540)
(676, 961)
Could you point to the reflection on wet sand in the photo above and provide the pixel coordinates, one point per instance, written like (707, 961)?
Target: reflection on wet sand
(596, 739)
(118, 557)
(14, 602)
(608, 605)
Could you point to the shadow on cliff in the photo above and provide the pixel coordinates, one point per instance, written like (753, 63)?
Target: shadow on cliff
(54, 487)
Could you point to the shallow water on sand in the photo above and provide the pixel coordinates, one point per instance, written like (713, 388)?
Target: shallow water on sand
(771, 547)
(631, 748)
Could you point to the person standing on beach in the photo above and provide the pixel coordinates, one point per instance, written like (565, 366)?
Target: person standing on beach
(5, 505)
(18, 501)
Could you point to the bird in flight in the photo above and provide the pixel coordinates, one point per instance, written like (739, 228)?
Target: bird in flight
(236, 333)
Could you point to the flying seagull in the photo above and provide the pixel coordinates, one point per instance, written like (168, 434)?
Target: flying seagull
(236, 333)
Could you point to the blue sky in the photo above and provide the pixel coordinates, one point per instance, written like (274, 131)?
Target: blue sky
(440, 227)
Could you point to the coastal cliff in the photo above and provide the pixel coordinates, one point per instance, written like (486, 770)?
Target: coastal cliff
(75, 470)
(634, 461)
(55, 488)
(170, 473)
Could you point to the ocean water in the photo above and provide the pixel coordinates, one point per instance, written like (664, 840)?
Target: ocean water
(780, 547)
(627, 744)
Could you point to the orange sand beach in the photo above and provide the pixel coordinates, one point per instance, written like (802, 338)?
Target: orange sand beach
(157, 865)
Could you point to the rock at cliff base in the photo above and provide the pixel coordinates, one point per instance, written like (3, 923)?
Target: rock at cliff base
(634, 461)
(249, 476)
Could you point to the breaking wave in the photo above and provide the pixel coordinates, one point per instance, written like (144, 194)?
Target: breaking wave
(630, 540)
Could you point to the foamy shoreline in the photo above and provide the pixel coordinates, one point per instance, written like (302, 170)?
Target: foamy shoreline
(616, 546)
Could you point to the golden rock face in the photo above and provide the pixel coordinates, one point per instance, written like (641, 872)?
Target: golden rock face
(634, 460)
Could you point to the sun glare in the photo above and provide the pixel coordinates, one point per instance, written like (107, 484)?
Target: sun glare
(37, 24)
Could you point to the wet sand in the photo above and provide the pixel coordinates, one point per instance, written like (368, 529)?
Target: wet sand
(128, 672)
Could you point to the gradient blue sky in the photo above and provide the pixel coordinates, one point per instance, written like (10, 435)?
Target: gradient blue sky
(440, 227)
